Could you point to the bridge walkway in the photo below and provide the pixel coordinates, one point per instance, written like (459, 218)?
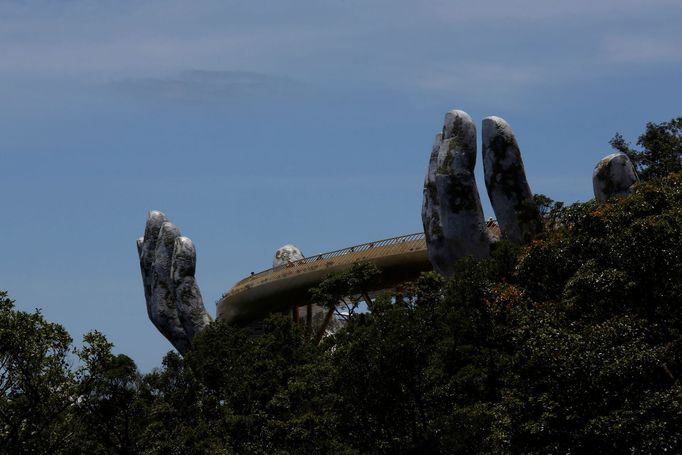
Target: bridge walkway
(400, 259)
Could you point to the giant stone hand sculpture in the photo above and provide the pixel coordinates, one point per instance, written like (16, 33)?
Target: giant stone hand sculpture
(168, 263)
(451, 211)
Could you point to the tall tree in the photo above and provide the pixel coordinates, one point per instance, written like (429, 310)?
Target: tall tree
(37, 386)
(109, 414)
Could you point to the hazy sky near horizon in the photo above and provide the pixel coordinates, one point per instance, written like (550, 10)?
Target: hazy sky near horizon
(255, 124)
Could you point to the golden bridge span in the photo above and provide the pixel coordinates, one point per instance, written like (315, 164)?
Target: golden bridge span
(281, 288)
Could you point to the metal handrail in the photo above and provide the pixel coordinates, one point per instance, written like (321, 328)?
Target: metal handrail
(337, 253)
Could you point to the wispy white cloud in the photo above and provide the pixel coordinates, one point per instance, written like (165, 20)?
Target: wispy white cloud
(539, 10)
(149, 53)
(488, 83)
(201, 86)
(642, 49)
(492, 50)
(81, 37)
(462, 76)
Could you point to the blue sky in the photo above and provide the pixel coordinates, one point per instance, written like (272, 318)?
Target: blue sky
(255, 124)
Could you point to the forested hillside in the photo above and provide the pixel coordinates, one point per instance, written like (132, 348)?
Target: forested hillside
(570, 344)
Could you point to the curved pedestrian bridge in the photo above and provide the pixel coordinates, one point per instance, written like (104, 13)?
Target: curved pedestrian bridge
(400, 259)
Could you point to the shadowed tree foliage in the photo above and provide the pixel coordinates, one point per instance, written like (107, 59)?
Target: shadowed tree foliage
(569, 344)
(37, 386)
(347, 288)
(661, 149)
(109, 414)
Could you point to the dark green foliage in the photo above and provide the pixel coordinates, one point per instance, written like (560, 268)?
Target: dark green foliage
(36, 385)
(550, 212)
(599, 363)
(661, 149)
(107, 411)
(569, 344)
(355, 281)
(262, 390)
(379, 377)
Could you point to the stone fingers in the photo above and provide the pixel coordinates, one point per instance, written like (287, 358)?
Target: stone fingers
(451, 213)
(190, 304)
(146, 249)
(168, 264)
(433, 227)
(505, 180)
(613, 175)
(164, 308)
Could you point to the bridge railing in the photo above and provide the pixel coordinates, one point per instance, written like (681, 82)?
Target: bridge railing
(333, 254)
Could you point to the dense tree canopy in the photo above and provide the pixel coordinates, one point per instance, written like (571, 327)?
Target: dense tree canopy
(570, 344)
(661, 149)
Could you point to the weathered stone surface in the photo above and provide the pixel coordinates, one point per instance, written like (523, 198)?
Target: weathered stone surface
(167, 262)
(285, 254)
(191, 310)
(164, 310)
(146, 247)
(612, 176)
(505, 180)
(451, 211)
(433, 228)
